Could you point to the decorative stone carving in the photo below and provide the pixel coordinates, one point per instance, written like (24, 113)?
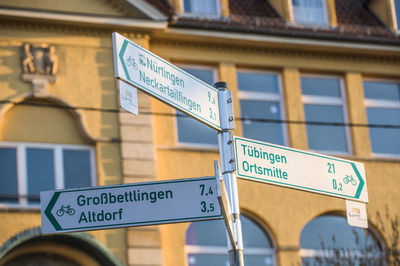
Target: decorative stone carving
(39, 66)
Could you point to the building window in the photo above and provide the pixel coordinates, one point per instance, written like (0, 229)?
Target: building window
(28, 168)
(382, 100)
(191, 131)
(329, 240)
(260, 98)
(397, 11)
(323, 99)
(310, 12)
(206, 244)
(201, 7)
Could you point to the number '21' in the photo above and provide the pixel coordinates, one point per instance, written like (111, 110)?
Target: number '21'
(331, 168)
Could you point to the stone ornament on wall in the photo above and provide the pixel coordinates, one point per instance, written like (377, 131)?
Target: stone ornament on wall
(39, 66)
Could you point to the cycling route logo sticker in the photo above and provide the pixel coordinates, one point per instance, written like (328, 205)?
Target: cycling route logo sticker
(128, 96)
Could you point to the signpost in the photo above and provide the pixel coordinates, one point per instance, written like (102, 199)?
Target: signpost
(158, 202)
(202, 198)
(283, 166)
(226, 152)
(138, 204)
(155, 76)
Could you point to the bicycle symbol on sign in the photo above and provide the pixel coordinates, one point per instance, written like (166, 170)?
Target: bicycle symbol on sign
(65, 209)
(131, 62)
(349, 178)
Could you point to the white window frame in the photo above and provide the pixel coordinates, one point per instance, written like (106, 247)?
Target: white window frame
(220, 250)
(193, 14)
(383, 104)
(313, 253)
(266, 97)
(330, 101)
(326, 16)
(22, 174)
(194, 144)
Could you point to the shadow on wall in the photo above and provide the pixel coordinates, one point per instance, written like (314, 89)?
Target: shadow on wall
(110, 152)
(11, 83)
(109, 128)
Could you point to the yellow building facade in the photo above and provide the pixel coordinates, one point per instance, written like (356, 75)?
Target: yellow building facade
(61, 125)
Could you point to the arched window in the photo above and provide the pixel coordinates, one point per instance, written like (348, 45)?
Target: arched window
(329, 240)
(41, 149)
(206, 244)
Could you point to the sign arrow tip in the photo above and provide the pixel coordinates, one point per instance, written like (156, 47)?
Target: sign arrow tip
(48, 213)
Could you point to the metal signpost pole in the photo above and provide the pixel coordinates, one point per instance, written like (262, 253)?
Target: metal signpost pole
(225, 139)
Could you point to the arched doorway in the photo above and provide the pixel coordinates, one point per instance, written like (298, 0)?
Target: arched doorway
(30, 248)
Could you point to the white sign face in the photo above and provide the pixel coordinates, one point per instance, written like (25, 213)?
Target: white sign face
(155, 76)
(356, 214)
(283, 166)
(128, 98)
(138, 204)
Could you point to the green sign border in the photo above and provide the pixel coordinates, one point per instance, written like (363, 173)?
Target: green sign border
(151, 92)
(356, 196)
(57, 194)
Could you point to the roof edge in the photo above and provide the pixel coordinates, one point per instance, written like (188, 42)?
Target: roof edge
(287, 39)
(311, 35)
(79, 19)
(147, 9)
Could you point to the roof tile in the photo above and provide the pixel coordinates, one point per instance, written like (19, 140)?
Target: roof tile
(355, 21)
(163, 6)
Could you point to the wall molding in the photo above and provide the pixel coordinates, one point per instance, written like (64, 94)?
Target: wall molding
(278, 52)
(83, 30)
(78, 116)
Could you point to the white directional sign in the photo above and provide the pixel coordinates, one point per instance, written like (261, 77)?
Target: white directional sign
(155, 76)
(264, 162)
(138, 204)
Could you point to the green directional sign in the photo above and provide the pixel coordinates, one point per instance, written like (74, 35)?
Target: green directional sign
(283, 166)
(168, 83)
(160, 202)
